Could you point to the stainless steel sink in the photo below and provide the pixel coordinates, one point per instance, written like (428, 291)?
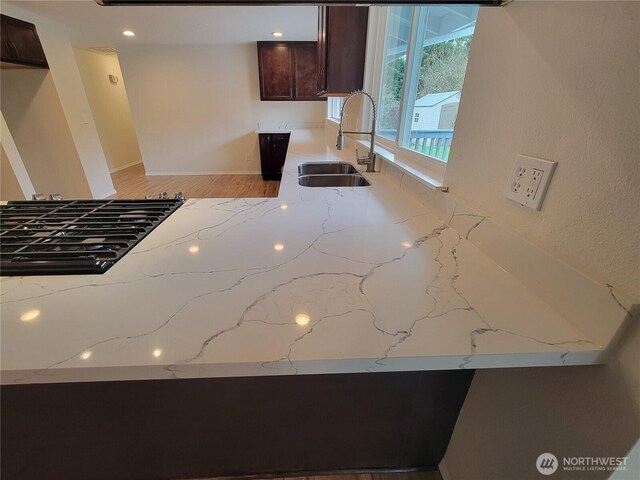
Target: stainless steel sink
(326, 168)
(333, 181)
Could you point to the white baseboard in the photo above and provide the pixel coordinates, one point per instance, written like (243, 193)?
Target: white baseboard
(216, 172)
(122, 167)
(444, 471)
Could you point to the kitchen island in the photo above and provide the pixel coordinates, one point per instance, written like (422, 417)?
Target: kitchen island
(363, 291)
(374, 279)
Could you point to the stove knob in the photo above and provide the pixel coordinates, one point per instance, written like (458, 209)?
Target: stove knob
(180, 196)
(38, 196)
(163, 196)
(55, 196)
(148, 197)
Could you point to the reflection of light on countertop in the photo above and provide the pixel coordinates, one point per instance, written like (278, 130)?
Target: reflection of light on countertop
(85, 355)
(194, 249)
(278, 246)
(157, 352)
(407, 244)
(284, 206)
(302, 319)
(30, 315)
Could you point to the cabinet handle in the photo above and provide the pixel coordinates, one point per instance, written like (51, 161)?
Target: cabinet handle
(291, 92)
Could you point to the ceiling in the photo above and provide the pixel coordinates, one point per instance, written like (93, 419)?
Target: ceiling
(90, 25)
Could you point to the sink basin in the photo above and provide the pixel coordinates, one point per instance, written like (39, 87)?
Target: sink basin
(326, 168)
(333, 181)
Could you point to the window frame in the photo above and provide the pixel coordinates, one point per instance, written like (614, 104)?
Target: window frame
(334, 105)
(373, 80)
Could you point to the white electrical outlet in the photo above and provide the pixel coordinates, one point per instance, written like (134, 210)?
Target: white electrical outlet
(529, 181)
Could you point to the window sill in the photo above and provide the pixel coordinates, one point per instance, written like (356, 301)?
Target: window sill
(430, 178)
(431, 174)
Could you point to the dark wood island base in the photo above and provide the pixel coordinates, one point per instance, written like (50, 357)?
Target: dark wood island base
(175, 429)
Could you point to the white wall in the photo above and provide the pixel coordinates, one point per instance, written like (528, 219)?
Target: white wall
(110, 107)
(69, 87)
(557, 80)
(36, 120)
(12, 162)
(195, 107)
(9, 185)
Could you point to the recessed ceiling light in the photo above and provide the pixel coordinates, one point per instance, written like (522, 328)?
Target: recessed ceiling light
(128, 33)
(278, 34)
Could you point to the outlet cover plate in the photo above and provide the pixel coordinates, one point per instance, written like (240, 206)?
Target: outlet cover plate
(529, 181)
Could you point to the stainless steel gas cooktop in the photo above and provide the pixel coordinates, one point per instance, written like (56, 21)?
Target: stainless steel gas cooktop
(76, 236)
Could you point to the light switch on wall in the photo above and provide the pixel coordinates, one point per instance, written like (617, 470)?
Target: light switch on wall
(529, 181)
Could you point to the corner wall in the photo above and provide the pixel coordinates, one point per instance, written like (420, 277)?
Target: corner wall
(196, 107)
(110, 108)
(557, 80)
(68, 84)
(36, 120)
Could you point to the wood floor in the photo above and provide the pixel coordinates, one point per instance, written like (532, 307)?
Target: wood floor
(132, 183)
(433, 475)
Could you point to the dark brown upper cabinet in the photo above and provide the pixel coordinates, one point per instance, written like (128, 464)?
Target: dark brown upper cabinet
(342, 46)
(288, 71)
(20, 45)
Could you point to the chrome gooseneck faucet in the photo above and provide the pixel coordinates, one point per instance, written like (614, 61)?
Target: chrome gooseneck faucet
(370, 159)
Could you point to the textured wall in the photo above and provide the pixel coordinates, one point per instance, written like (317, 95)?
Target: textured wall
(559, 81)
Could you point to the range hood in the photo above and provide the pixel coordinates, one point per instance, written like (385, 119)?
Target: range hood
(107, 3)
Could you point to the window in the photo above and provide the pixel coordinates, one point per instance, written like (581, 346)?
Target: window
(423, 68)
(395, 56)
(334, 105)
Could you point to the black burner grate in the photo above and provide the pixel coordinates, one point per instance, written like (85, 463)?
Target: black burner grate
(74, 237)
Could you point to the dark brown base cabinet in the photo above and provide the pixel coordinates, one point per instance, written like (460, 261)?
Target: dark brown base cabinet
(194, 428)
(273, 152)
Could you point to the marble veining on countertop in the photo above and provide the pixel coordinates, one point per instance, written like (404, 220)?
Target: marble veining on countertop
(318, 280)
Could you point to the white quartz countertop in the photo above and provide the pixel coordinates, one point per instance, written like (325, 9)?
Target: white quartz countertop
(318, 280)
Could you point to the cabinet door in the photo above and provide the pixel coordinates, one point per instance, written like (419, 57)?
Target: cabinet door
(265, 155)
(278, 156)
(20, 42)
(305, 71)
(322, 50)
(345, 34)
(275, 64)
